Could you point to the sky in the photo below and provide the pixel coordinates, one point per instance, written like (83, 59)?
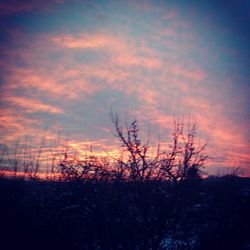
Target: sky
(65, 64)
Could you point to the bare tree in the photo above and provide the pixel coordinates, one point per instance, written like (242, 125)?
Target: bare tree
(89, 168)
(186, 158)
(138, 166)
(184, 161)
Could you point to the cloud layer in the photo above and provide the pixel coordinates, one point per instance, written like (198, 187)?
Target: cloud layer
(151, 60)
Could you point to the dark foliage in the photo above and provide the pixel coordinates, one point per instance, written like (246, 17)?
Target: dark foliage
(207, 214)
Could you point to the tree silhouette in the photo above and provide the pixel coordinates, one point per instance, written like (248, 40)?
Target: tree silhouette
(184, 161)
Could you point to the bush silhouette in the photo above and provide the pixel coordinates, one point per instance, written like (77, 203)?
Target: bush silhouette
(183, 162)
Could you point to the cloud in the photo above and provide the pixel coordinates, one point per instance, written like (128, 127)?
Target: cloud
(32, 105)
(83, 41)
(15, 124)
(155, 68)
(14, 6)
(55, 85)
(196, 75)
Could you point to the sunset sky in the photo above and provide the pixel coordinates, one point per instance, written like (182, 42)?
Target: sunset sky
(64, 64)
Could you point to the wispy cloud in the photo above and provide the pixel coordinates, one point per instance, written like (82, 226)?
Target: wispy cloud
(31, 105)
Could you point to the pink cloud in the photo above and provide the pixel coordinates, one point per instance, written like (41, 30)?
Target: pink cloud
(82, 42)
(126, 59)
(88, 41)
(121, 50)
(15, 125)
(55, 84)
(32, 105)
(193, 74)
